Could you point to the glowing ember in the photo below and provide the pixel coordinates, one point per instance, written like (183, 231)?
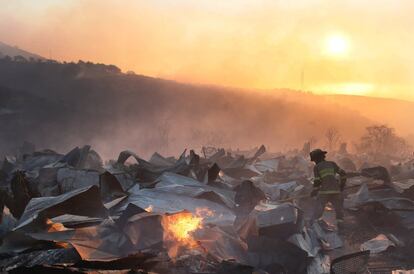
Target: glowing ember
(204, 212)
(150, 208)
(178, 229)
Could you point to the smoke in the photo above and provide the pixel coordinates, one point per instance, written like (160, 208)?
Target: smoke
(60, 106)
(243, 43)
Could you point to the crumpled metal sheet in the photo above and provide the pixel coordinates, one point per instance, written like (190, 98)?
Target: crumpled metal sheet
(269, 165)
(346, 164)
(274, 191)
(125, 179)
(103, 242)
(181, 185)
(378, 244)
(275, 255)
(273, 239)
(100, 243)
(83, 158)
(165, 202)
(216, 156)
(110, 187)
(319, 265)
(307, 241)
(148, 172)
(145, 231)
(71, 221)
(70, 179)
(222, 245)
(388, 198)
(47, 181)
(240, 173)
(9, 164)
(18, 241)
(268, 215)
(124, 155)
(279, 221)
(42, 257)
(33, 162)
(238, 163)
(82, 201)
(129, 211)
(309, 206)
(403, 186)
(378, 172)
(358, 198)
(159, 160)
(247, 197)
(110, 241)
(8, 222)
(330, 239)
(404, 175)
(259, 152)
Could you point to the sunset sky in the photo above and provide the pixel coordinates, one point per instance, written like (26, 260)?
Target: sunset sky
(325, 46)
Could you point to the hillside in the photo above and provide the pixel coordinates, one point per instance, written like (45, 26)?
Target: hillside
(62, 105)
(396, 113)
(6, 50)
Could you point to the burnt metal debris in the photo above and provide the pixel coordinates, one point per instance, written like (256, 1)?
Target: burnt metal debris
(219, 211)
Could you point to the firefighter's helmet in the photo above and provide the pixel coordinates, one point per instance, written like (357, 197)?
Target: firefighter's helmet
(317, 154)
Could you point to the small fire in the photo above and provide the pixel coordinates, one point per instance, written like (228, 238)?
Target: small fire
(180, 225)
(178, 229)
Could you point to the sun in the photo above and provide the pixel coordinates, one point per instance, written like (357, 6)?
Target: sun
(337, 45)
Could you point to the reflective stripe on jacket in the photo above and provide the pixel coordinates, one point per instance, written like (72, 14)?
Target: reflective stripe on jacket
(325, 177)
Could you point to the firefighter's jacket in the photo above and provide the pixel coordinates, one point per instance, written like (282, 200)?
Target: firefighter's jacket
(326, 180)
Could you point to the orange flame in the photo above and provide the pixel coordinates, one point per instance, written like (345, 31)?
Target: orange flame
(178, 229)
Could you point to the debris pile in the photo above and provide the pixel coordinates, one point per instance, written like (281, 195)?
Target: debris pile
(222, 212)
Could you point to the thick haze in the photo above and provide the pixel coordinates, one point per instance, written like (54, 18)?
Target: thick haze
(59, 106)
(244, 43)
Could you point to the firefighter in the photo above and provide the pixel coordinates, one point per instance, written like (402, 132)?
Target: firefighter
(327, 186)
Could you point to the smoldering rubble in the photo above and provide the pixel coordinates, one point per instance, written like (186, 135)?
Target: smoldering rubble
(217, 211)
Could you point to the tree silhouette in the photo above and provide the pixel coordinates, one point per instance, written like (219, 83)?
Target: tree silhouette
(333, 137)
(382, 140)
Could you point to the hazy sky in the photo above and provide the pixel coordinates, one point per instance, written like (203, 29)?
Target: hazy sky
(353, 46)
